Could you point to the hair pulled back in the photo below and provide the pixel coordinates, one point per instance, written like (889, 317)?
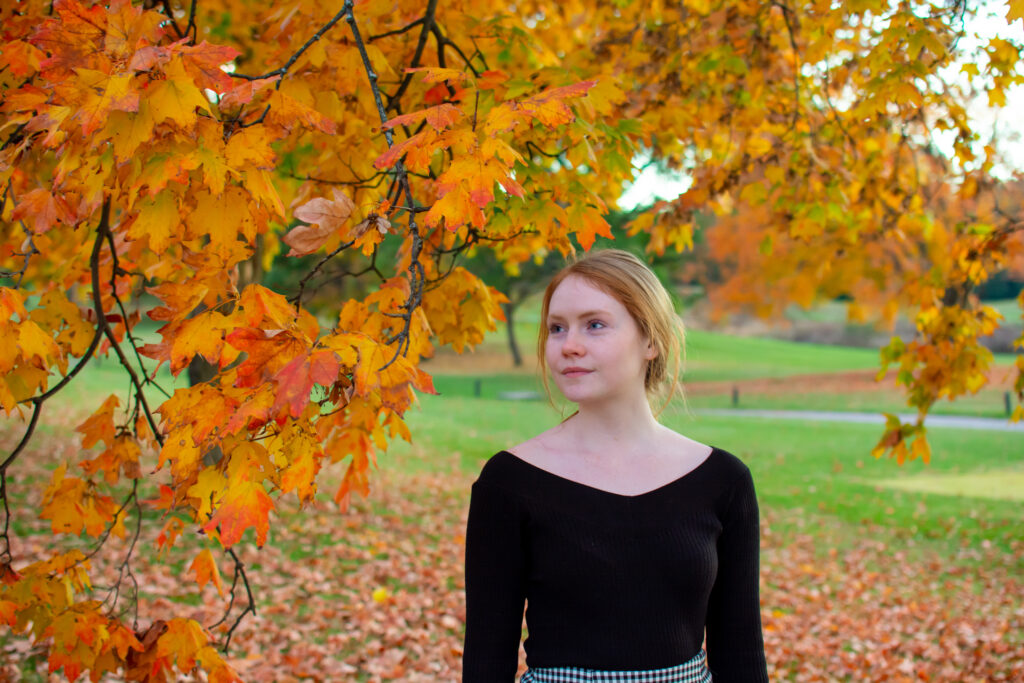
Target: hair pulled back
(628, 279)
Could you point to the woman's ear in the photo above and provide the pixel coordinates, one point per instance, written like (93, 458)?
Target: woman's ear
(652, 351)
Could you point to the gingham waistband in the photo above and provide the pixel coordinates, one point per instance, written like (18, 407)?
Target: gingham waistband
(693, 671)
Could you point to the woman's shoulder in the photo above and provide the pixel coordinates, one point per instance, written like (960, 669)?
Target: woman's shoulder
(728, 464)
(503, 469)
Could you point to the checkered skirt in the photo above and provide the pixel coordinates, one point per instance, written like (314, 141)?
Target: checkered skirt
(693, 671)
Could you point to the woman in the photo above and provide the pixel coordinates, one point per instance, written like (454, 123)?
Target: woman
(626, 541)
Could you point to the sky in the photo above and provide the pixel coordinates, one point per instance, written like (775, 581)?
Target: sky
(1007, 123)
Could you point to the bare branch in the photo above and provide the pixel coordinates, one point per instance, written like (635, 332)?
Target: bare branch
(397, 31)
(249, 608)
(316, 269)
(281, 71)
(428, 23)
(97, 297)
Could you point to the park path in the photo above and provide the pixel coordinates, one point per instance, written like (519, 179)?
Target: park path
(954, 421)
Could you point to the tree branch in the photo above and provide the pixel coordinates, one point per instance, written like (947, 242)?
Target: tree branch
(97, 298)
(282, 70)
(316, 269)
(250, 607)
(397, 31)
(428, 23)
(401, 177)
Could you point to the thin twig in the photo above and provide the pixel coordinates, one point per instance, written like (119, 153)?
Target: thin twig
(97, 297)
(428, 23)
(251, 607)
(398, 31)
(282, 70)
(316, 269)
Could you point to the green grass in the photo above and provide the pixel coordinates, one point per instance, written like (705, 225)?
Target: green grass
(713, 356)
(806, 467)
(986, 403)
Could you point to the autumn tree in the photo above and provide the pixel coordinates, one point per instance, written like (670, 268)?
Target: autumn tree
(167, 151)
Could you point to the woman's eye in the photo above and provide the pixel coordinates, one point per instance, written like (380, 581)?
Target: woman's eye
(554, 328)
(596, 324)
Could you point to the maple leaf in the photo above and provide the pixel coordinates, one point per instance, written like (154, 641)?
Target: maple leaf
(243, 92)
(205, 569)
(260, 303)
(245, 504)
(436, 74)
(22, 58)
(176, 97)
(100, 425)
(42, 207)
(204, 62)
(286, 113)
(424, 140)
(438, 118)
(587, 222)
(325, 217)
(303, 455)
(296, 379)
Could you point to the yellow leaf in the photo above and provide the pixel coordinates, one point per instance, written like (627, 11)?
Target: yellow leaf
(207, 490)
(104, 93)
(1015, 11)
(158, 220)
(129, 130)
(177, 97)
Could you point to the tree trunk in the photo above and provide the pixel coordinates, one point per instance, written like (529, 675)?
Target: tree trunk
(517, 358)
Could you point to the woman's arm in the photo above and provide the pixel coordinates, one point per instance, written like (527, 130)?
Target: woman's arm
(494, 586)
(734, 641)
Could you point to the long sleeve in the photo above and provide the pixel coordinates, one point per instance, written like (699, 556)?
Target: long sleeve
(495, 593)
(735, 643)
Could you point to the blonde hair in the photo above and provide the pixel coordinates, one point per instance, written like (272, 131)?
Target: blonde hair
(625, 277)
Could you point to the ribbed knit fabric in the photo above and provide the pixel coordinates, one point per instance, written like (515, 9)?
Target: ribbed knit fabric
(613, 582)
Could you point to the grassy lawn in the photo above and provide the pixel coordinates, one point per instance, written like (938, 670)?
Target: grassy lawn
(818, 467)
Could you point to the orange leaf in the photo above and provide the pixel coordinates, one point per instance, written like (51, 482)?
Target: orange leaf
(100, 425)
(296, 379)
(205, 569)
(204, 61)
(177, 97)
(243, 92)
(246, 504)
(438, 118)
(287, 112)
(437, 74)
(396, 151)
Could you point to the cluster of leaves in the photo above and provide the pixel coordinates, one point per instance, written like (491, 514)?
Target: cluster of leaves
(813, 136)
(134, 165)
(168, 154)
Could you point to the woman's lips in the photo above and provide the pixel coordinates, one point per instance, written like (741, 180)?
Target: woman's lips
(575, 372)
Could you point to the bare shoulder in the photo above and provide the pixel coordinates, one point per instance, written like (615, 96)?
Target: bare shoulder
(687, 452)
(540, 449)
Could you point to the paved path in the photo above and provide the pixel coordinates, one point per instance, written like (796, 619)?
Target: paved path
(957, 421)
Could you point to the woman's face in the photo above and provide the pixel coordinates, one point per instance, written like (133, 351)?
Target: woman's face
(594, 349)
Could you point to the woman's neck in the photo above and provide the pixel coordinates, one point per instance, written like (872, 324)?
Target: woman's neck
(621, 428)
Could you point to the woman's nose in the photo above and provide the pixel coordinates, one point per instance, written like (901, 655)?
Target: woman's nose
(572, 345)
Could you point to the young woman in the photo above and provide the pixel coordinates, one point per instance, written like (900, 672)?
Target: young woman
(627, 542)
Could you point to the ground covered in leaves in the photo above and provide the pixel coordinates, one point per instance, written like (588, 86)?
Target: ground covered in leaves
(376, 594)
